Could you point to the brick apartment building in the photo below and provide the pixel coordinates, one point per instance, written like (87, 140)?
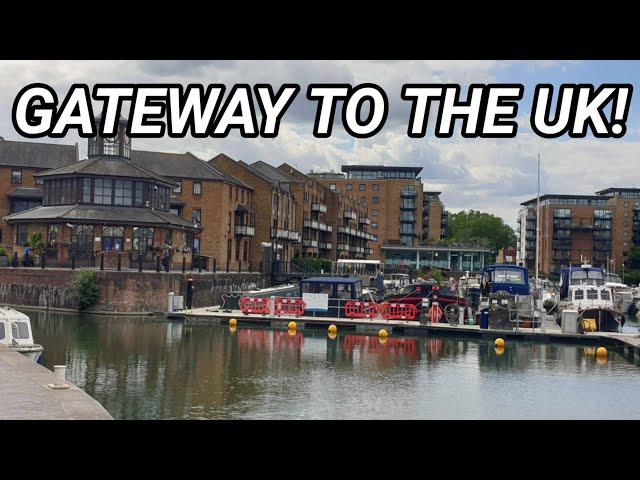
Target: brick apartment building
(19, 162)
(274, 208)
(393, 196)
(434, 218)
(334, 222)
(573, 228)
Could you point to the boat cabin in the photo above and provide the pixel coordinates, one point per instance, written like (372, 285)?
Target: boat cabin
(503, 277)
(583, 275)
(343, 288)
(15, 328)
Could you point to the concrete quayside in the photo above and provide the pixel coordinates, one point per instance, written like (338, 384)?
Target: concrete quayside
(30, 392)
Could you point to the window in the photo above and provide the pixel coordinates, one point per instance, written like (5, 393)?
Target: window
(376, 187)
(374, 225)
(363, 200)
(20, 204)
(374, 213)
(82, 241)
(22, 234)
(86, 190)
(142, 239)
(508, 276)
(140, 200)
(229, 223)
(592, 294)
(2, 334)
(196, 216)
(113, 239)
(176, 211)
(332, 186)
(238, 249)
(197, 188)
(375, 200)
(178, 189)
(168, 237)
(604, 295)
(20, 330)
(362, 187)
(349, 186)
(102, 191)
(52, 237)
(123, 192)
(578, 294)
(230, 192)
(16, 177)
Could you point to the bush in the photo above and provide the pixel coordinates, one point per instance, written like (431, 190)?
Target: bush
(85, 289)
(316, 264)
(3, 252)
(437, 275)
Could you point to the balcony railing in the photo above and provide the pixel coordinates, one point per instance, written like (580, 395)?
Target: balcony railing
(350, 214)
(245, 231)
(284, 234)
(408, 193)
(325, 245)
(310, 243)
(342, 247)
(364, 220)
(319, 207)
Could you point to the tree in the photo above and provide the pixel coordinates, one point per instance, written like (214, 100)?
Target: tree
(481, 228)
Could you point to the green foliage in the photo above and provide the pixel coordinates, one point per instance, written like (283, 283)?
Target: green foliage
(85, 289)
(313, 263)
(437, 275)
(36, 243)
(474, 227)
(3, 252)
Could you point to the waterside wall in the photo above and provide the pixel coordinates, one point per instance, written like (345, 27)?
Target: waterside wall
(120, 292)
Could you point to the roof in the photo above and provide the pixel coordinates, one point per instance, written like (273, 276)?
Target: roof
(100, 214)
(274, 173)
(440, 248)
(175, 201)
(377, 168)
(613, 190)
(331, 280)
(509, 266)
(227, 176)
(180, 165)
(24, 192)
(552, 196)
(109, 167)
(36, 155)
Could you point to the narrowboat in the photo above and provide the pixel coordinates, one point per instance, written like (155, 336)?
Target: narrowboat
(15, 333)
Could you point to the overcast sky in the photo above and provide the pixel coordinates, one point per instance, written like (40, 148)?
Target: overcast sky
(489, 175)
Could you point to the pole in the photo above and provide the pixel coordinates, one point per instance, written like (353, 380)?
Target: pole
(538, 224)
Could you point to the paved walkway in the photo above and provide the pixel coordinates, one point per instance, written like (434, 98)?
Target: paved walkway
(24, 394)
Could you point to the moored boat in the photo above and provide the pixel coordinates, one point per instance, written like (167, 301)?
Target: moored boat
(16, 333)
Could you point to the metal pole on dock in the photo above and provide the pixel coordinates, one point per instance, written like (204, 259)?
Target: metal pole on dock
(538, 224)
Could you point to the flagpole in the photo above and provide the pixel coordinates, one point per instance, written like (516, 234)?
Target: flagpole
(538, 223)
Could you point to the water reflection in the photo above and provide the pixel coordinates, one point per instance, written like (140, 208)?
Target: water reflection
(142, 368)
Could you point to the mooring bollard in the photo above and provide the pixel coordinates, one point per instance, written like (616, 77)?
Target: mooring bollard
(60, 373)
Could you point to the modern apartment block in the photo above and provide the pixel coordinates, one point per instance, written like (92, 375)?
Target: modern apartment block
(434, 218)
(573, 228)
(274, 234)
(625, 206)
(393, 196)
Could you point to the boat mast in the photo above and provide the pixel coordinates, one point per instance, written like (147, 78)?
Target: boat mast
(538, 223)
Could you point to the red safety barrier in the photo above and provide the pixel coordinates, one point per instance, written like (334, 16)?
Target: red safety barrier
(435, 313)
(254, 305)
(289, 306)
(353, 309)
(399, 311)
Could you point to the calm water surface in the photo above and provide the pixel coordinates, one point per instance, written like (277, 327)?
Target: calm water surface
(139, 368)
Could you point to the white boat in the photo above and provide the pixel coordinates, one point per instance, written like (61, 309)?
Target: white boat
(622, 294)
(15, 333)
(596, 307)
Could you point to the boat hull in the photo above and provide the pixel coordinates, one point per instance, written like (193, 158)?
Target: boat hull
(606, 319)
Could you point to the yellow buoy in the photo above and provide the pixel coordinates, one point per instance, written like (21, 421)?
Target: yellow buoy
(601, 352)
(382, 333)
(499, 343)
(292, 332)
(602, 360)
(233, 322)
(333, 335)
(333, 329)
(232, 328)
(499, 350)
(293, 325)
(382, 340)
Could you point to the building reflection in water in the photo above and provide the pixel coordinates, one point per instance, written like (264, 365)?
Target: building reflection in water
(142, 368)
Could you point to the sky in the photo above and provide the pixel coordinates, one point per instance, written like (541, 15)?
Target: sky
(493, 175)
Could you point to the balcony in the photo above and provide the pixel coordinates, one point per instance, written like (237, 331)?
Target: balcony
(325, 246)
(350, 214)
(602, 246)
(408, 193)
(284, 234)
(310, 243)
(319, 207)
(408, 206)
(245, 231)
(368, 251)
(561, 245)
(364, 220)
(310, 224)
(561, 255)
(343, 247)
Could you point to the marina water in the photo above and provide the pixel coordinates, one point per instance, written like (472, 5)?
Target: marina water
(144, 368)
